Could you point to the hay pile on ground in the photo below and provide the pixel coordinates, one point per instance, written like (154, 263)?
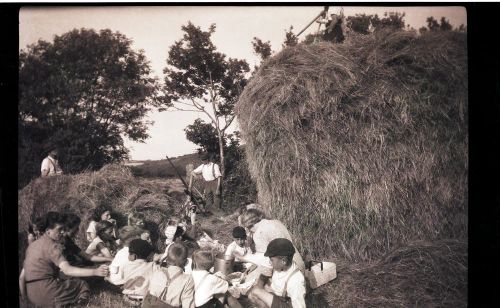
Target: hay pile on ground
(422, 274)
(113, 185)
(361, 147)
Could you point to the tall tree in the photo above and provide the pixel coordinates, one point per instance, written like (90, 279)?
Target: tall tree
(82, 93)
(198, 78)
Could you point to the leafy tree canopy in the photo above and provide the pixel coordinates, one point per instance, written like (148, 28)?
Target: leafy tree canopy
(199, 78)
(82, 93)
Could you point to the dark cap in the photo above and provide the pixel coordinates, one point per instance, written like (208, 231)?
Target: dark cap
(140, 247)
(279, 247)
(239, 232)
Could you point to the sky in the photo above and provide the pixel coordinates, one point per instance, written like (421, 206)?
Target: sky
(155, 28)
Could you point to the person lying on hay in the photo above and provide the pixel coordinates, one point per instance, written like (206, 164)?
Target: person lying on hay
(287, 287)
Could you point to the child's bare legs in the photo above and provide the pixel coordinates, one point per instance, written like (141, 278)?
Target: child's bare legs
(232, 302)
(260, 297)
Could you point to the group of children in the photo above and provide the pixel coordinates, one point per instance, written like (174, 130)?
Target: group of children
(183, 275)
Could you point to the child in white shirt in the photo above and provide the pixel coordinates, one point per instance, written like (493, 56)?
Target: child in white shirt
(170, 285)
(238, 247)
(287, 285)
(126, 235)
(137, 273)
(210, 290)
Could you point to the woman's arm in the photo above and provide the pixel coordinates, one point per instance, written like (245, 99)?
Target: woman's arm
(88, 257)
(74, 271)
(104, 250)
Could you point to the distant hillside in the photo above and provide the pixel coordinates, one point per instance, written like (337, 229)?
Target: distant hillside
(162, 168)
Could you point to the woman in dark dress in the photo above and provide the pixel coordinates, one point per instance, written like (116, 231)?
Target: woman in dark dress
(44, 259)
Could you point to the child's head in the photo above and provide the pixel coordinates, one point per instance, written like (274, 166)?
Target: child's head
(173, 221)
(104, 230)
(240, 236)
(136, 219)
(71, 224)
(38, 226)
(177, 255)
(128, 233)
(102, 212)
(203, 259)
(139, 249)
(280, 251)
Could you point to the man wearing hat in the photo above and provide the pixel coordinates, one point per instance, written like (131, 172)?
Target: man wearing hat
(287, 287)
(212, 180)
(50, 164)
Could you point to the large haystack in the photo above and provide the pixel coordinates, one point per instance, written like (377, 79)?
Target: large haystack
(113, 185)
(362, 146)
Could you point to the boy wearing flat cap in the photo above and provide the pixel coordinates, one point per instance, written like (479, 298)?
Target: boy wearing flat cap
(288, 287)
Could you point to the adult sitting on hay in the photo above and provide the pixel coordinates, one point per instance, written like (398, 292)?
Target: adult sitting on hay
(39, 280)
(263, 231)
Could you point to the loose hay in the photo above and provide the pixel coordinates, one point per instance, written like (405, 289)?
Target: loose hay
(361, 147)
(113, 185)
(422, 274)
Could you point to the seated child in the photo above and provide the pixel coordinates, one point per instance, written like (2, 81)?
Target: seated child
(126, 235)
(136, 219)
(100, 213)
(175, 228)
(104, 243)
(170, 285)
(210, 290)
(138, 271)
(238, 247)
(73, 254)
(288, 288)
(190, 208)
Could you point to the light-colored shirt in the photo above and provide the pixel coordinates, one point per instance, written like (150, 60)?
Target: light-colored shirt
(206, 286)
(267, 230)
(51, 165)
(209, 171)
(91, 229)
(295, 288)
(137, 275)
(231, 248)
(92, 249)
(180, 292)
(43, 257)
(119, 261)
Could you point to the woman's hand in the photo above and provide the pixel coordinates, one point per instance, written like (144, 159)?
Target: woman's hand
(101, 271)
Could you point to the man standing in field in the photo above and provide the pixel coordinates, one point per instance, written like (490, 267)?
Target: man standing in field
(212, 180)
(50, 164)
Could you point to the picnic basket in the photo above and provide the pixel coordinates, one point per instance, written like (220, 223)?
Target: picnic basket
(320, 273)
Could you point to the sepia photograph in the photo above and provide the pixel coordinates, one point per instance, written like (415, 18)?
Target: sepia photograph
(243, 156)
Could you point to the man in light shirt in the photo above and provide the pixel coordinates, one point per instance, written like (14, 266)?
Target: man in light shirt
(50, 164)
(211, 174)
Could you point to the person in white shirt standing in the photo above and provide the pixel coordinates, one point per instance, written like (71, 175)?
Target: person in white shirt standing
(50, 164)
(212, 181)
